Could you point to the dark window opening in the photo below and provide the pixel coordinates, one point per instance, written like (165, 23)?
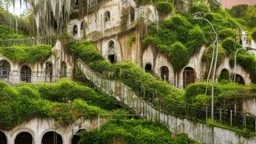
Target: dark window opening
(52, 138)
(4, 69)
(148, 68)
(24, 138)
(112, 58)
(224, 75)
(63, 71)
(188, 76)
(75, 30)
(3, 139)
(132, 15)
(165, 73)
(25, 74)
(82, 25)
(49, 71)
(107, 16)
(76, 137)
(239, 79)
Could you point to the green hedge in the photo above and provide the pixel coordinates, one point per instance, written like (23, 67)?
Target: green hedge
(164, 7)
(229, 45)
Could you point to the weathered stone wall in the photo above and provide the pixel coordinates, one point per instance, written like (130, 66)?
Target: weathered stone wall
(197, 131)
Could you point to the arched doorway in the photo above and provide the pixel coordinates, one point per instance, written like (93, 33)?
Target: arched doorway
(164, 73)
(188, 76)
(63, 70)
(107, 16)
(239, 79)
(76, 137)
(224, 75)
(48, 72)
(3, 139)
(148, 68)
(75, 30)
(25, 74)
(52, 138)
(4, 69)
(111, 52)
(24, 138)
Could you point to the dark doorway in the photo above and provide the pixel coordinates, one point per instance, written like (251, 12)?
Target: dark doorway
(112, 58)
(52, 138)
(25, 74)
(111, 52)
(82, 26)
(224, 75)
(75, 30)
(49, 72)
(188, 76)
(132, 15)
(3, 139)
(107, 16)
(148, 68)
(4, 69)
(239, 79)
(165, 73)
(24, 138)
(76, 137)
(63, 71)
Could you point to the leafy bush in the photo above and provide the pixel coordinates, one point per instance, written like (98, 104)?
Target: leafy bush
(223, 34)
(199, 8)
(253, 34)
(179, 56)
(229, 45)
(164, 7)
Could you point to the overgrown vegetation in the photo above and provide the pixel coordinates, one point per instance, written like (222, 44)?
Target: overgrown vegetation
(133, 132)
(30, 54)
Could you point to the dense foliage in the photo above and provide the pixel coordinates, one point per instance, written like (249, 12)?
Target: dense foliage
(48, 100)
(30, 54)
(132, 132)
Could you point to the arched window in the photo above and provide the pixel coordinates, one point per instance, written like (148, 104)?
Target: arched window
(25, 74)
(75, 30)
(165, 73)
(188, 76)
(224, 75)
(76, 5)
(76, 137)
(107, 16)
(52, 138)
(82, 25)
(48, 72)
(111, 52)
(24, 138)
(63, 71)
(132, 15)
(148, 68)
(3, 139)
(4, 69)
(239, 79)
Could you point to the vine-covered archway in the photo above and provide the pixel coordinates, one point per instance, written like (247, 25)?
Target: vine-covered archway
(148, 68)
(239, 79)
(4, 69)
(224, 75)
(164, 73)
(76, 137)
(188, 76)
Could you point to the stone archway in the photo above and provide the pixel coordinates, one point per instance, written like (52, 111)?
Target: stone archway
(164, 73)
(24, 138)
(48, 72)
(75, 30)
(107, 16)
(25, 74)
(3, 138)
(239, 79)
(63, 70)
(111, 52)
(76, 138)
(5, 68)
(224, 75)
(52, 138)
(148, 68)
(188, 76)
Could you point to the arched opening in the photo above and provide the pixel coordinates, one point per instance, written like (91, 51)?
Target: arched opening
(4, 69)
(224, 75)
(239, 79)
(111, 52)
(3, 139)
(82, 25)
(148, 68)
(63, 71)
(165, 73)
(76, 5)
(25, 74)
(107, 16)
(49, 72)
(52, 138)
(76, 137)
(132, 15)
(75, 30)
(188, 76)
(24, 138)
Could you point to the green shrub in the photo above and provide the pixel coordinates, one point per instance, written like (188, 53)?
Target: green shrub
(199, 8)
(223, 34)
(164, 7)
(229, 45)
(253, 34)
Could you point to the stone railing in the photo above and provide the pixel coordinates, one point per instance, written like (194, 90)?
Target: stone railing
(197, 131)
